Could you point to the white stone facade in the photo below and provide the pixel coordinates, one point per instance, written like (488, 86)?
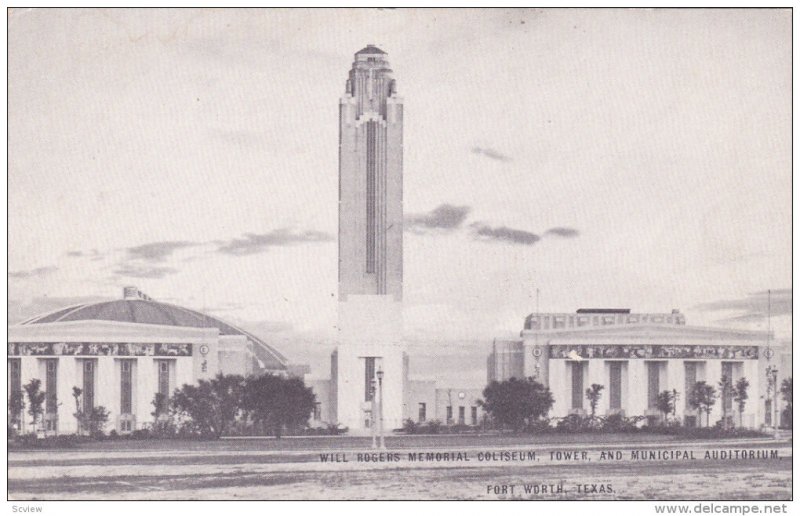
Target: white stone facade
(634, 361)
(190, 354)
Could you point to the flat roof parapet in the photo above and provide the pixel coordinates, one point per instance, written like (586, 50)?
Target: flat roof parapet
(603, 311)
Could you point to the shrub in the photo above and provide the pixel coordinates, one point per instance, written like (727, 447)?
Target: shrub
(573, 423)
(31, 441)
(97, 419)
(539, 426)
(163, 428)
(410, 426)
(620, 423)
(142, 433)
(459, 429)
(336, 429)
(515, 403)
(434, 426)
(715, 432)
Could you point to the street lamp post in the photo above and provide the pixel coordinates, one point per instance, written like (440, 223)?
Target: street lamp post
(380, 401)
(373, 409)
(772, 396)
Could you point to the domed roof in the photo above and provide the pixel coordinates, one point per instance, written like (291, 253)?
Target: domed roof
(370, 49)
(144, 310)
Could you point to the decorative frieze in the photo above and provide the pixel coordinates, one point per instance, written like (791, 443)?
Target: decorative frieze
(724, 352)
(126, 349)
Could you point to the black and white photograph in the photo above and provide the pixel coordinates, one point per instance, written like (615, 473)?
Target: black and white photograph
(484, 254)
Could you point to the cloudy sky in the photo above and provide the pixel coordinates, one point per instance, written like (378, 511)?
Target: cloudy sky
(613, 158)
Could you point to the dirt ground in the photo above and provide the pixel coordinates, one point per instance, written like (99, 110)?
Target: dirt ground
(469, 467)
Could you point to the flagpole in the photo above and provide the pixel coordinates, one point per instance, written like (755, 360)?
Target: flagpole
(773, 369)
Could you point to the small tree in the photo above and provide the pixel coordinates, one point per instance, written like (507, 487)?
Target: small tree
(666, 403)
(593, 394)
(675, 397)
(725, 392)
(786, 393)
(160, 406)
(278, 403)
(513, 403)
(702, 397)
(35, 400)
(163, 424)
(96, 420)
(211, 405)
(16, 408)
(740, 395)
(79, 417)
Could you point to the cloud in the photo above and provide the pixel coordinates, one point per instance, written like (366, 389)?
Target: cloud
(444, 217)
(94, 255)
(32, 273)
(503, 234)
(253, 243)
(157, 251)
(753, 307)
(490, 153)
(745, 318)
(132, 270)
(563, 232)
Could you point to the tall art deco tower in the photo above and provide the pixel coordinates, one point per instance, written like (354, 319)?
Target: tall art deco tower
(370, 246)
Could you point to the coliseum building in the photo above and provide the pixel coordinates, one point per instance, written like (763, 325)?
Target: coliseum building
(122, 353)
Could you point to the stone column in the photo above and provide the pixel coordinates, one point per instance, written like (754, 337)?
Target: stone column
(560, 381)
(676, 379)
(106, 390)
(712, 377)
(597, 373)
(637, 388)
(754, 406)
(145, 381)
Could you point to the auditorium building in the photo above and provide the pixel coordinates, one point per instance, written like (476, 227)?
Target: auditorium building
(635, 356)
(121, 354)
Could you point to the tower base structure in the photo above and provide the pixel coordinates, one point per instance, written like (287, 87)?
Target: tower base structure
(369, 362)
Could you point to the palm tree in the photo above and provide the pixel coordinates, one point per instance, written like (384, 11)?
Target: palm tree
(725, 390)
(740, 395)
(593, 395)
(666, 402)
(702, 398)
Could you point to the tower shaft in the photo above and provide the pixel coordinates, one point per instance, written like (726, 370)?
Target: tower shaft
(370, 180)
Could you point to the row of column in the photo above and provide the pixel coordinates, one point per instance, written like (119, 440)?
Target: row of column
(107, 385)
(636, 382)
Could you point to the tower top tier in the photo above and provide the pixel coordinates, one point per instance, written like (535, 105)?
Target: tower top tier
(370, 81)
(370, 49)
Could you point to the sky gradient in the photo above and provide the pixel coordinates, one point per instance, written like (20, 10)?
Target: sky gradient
(608, 158)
